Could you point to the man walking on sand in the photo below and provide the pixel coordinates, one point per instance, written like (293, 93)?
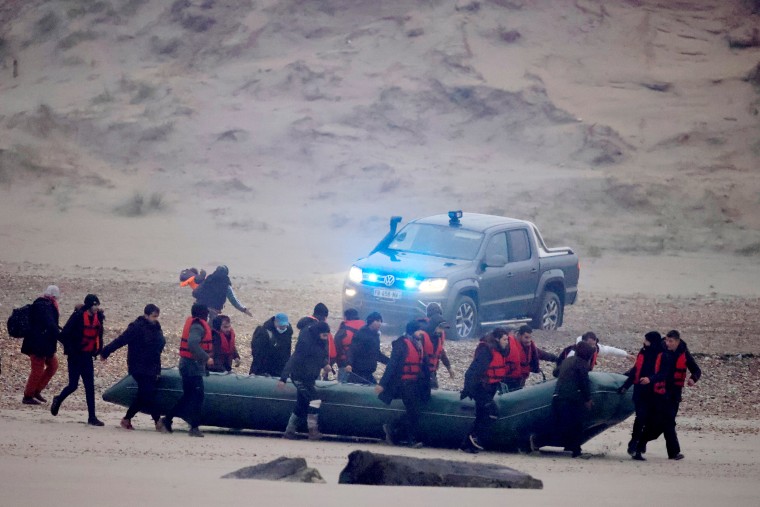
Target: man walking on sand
(41, 344)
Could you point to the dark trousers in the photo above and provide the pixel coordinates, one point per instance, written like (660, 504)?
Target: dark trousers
(643, 406)
(146, 394)
(408, 426)
(568, 416)
(190, 404)
(305, 393)
(662, 420)
(485, 411)
(362, 377)
(80, 365)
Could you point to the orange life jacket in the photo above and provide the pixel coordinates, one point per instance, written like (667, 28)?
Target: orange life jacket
(206, 344)
(227, 342)
(659, 387)
(497, 370)
(679, 375)
(412, 363)
(191, 282)
(512, 363)
(91, 334)
(433, 354)
(592, 363)
(525, 359)
(351, 327)
(637, 367)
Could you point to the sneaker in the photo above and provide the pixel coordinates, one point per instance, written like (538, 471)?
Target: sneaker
(29, 401)
(55, 405)
(164, 425)
(195, 432)
(126, 424)
(388, 434)
(638, 457)
(40, 398)
(632, 448)
(290, 435)
(474, 442)
(94, 421)
(677, 457)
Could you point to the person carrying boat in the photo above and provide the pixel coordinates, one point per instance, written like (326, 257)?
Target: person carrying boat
(572, 397)
(82, 338)
(194, 358)
(145, 341)
(599, 350)
(364, 353)
(215, 290)
(319, 314)
(343, 339)
(407, 377)
(224, 351)
(303, 368)
(271, 345)
(530, 354)
(643, 393)
(669, 381)
(434, 339)
(481, 381)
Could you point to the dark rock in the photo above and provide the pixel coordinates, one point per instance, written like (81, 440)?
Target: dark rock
(281, 469)
(383, 470)
(658, 86)
(744, 39)
(509, 36)
(754, 76)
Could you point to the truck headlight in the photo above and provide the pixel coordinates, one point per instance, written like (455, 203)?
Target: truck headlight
(355, 274)
(433, 285)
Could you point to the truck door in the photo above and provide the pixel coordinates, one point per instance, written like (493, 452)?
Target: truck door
(522, 272)
(494, 279)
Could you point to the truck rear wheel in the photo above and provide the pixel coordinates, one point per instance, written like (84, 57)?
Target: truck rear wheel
(549, 316)
(465, 321)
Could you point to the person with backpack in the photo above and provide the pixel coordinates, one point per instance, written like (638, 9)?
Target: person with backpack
(224, 350)
(215, 290)
(145, 341)
(82, 338)
(271, 345)
(40, 344)
(343, 338)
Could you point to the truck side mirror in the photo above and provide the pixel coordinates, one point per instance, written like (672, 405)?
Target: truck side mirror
(495, 261)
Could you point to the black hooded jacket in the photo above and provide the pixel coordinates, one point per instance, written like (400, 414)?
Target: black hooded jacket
(213, 291)
(44, 331)
(145, 342)
(308, 359)
(364, 352)
(73, 332)
(649, 354)
(391, 379)
(667, 370)
(270, 349)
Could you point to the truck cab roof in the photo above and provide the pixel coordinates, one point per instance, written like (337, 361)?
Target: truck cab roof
(471, 221)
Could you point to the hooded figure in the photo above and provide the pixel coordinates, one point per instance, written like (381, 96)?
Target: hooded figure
(215, 290)
(41, 343)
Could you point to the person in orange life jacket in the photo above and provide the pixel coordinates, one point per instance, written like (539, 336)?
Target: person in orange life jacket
(530, 354)
(643, 393)
(223, 346)
(191, 277)
(669, 380)
(364, 353)
(271, 345)
(41, 344)
(599, 350)
(319, 314)
(572, 397)
(194, 358)
(343, 338)
(407, 377)
(215, 290)
(145, 341)
(434, 342)
(303, 368)
(481, 381)
(82, 338)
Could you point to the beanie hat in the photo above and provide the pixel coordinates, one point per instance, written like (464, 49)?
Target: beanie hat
(374, 317)
(413, 326)
(321, 327)
(52, 291)
(434, 309)
(321, 310)
(90, 300)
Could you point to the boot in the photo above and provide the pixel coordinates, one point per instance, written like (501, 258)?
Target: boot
(312, 422)
(126, 424)
(632, 445)
(56, 405)
(292, 427)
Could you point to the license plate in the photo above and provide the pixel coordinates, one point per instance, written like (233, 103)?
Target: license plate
(387, 294)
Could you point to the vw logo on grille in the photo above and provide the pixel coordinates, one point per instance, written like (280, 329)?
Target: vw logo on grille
(389, 280)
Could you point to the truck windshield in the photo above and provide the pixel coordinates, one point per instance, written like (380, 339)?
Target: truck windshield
(438, 241)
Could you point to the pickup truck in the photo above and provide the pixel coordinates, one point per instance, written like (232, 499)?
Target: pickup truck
(483, 270)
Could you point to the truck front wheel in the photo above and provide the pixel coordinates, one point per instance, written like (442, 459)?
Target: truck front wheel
(549, 314)
(465, 324)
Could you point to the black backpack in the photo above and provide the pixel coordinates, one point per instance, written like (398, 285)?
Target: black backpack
(18, 322)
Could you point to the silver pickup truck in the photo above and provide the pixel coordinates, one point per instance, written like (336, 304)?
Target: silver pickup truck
(483, 270)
